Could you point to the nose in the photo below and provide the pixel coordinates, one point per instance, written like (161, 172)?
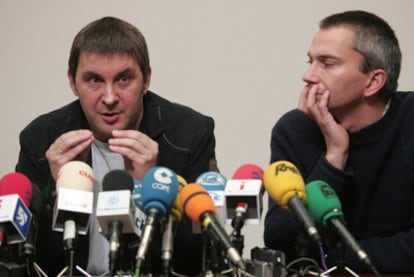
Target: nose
(110, 96)
(310, 76)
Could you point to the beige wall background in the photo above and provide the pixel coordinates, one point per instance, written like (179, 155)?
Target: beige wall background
(239, 61)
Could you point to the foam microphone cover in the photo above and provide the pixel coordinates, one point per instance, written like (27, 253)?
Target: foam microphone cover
(160, 187)
(248, 171)
(196, 201)
(75, 175)
(17, 183)
(282, 181)
(177, 209)
(322, 202)
(212, 181)
(117, 180)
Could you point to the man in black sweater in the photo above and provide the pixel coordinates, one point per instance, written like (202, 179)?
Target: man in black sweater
(353, 130)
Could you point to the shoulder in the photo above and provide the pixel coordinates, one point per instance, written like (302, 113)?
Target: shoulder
(175, 113)
(294, 121)
(64, 118)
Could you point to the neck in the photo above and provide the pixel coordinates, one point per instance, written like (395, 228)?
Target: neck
(362, 116)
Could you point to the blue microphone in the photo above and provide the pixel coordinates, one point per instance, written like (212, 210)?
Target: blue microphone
(158, 193)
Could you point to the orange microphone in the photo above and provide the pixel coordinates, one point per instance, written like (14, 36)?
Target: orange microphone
(199, 207)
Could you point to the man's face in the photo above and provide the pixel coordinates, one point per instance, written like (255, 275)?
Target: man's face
(110, 89)
(335, 66)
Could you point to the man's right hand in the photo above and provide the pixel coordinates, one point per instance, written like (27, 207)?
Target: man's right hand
(73, 145)
(314, 102)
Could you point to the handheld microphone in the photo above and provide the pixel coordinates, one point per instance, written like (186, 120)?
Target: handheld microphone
(115, 211)
(215, 184)
(160, 186)
(74, 203)
(240, 215)
(246, 187)
(199, 207)
(326, 208)
(175, 216)
(15, 217)
(284, 184)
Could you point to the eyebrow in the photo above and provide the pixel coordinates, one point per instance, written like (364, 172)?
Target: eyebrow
(91, 74)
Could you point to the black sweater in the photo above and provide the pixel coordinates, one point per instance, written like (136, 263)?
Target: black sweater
(376, 188)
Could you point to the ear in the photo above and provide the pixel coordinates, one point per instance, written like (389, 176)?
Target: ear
(148, 82)
(72, 84)
(375, 82)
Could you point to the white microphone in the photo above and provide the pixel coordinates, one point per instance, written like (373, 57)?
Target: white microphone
(74, 202)
(115, 211)
(244, 193)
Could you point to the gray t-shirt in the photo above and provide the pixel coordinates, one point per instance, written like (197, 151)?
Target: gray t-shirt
(103, 161)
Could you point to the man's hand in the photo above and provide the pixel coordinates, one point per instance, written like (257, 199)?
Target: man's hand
(314, 102)
(140, 152)
(73, 145)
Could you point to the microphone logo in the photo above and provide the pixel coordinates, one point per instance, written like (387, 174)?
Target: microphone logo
(327, 191)
(113, 201)
(283, 167)
(163, 175)
(21, 216)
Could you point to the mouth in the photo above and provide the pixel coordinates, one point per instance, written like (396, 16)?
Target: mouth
(111, 117)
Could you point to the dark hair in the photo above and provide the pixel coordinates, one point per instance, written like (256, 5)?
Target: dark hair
(375, 41)
(110, 35)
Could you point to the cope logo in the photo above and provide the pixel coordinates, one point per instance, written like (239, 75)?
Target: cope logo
(163, 178)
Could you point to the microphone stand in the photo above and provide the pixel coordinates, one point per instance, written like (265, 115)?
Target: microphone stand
(237, 239)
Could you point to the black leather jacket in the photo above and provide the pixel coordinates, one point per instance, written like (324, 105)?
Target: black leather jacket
(186, 145)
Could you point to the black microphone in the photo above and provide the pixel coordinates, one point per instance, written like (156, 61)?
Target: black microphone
(27, 249)
(239, 217)
(325, 207)
(115, 211)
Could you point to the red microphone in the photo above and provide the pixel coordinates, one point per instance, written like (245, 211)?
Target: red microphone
(17, 183)
(15, 217)
(248, 171)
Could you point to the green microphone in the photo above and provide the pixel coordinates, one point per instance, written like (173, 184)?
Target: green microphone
(324, 205)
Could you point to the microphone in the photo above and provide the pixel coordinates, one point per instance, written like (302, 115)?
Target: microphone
(326, 208)
(284, 184)
(240, 215)
(199, 207)
(27, 250)
(74, 203)
(175, 216)
(115, 212)
(159, 190)
(215, 184)
(15, 217)
(245, 189)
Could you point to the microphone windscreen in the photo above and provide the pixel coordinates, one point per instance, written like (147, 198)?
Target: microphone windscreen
(282, 181)
(159, 190)
(117, 179)
(212, 181)
(17, 183)
(322, 202)
(196, 201)
(177, 209)
(248, 171)
(75, 175)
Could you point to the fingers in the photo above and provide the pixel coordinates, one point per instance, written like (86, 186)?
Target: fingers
(138, 148)
(73, 145)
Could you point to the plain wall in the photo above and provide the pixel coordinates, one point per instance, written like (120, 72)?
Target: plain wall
(238, 61)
